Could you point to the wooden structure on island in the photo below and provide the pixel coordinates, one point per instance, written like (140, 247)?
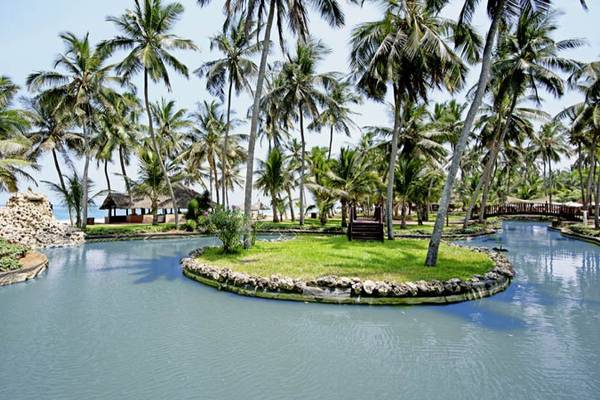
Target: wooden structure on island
(366, 228)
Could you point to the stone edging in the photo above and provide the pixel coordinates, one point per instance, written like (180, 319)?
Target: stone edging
(33, 263)
(344, 290)
(565, 231)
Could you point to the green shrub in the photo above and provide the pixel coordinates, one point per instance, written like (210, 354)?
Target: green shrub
(10, 254)
(229, 227)
(585, 230)
(191, 225)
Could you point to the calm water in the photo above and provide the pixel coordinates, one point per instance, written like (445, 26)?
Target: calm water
(118, 321)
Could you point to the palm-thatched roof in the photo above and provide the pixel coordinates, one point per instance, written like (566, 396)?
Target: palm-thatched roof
(121, 201)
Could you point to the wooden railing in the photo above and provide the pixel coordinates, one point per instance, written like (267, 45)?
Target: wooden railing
(366, 228)
(556, 210)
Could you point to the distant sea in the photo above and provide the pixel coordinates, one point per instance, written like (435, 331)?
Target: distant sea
(62, 214)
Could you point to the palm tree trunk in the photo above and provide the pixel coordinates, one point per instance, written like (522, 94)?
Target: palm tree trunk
(254, 122)
(86, 167)
(475, 195)
(62, 181)
(486, 62)
(330, 141)
(597, 204)
(389, 202)
(591, 172)
(106, 175)
(580, 172)
(344, 213)
(550, 183)
(274, 206)
(225, 140)
(302, 164)
(403, 215)
(157, 149)
(124, 173)
(291, 202)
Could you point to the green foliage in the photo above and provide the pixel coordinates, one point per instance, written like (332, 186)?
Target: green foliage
(229, 227)
(191, 225)
(585, 230)
(10, 254)
(127, 229)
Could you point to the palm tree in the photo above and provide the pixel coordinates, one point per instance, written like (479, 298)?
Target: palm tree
(52, 131)
(407, 50)
(234, 70)
(527, 60)
(206, 141)
(353, 178)
(498, 10)
(550, 144)
(298, 87)
(271, 179)
(71, 195)
(146, 32)
(152, 182)
(337, 115)
(81, 89)
(296, 15)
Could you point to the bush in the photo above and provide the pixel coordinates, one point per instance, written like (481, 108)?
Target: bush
(191, 225)
(229, 226)
(586, 230)
(198, 206)
(10, 254)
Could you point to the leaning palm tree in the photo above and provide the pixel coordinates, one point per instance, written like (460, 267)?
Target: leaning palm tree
(408, 51)
(146, 32)
(81, 89)
(498, 11)
(271, 178)
(299, 87)
(234, 70)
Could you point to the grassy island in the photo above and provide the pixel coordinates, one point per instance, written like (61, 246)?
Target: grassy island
(312, 256)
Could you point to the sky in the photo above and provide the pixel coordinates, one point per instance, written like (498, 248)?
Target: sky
(29, 32)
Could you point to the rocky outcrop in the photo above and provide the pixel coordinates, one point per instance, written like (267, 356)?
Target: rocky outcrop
(334, 289)
(32, 264)
(27, 219)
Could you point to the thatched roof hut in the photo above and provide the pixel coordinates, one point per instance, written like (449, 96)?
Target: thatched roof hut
(121, 201)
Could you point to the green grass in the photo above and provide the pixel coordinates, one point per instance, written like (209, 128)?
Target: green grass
(313, 256)
(587, 230)
(127, 229)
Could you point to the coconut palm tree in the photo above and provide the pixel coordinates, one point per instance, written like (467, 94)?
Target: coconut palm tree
(498, 11)
(146, 32)
(82, 88)
(407, 50)
(299, 87)
(71, 195)
(336, 115)
(550, 144)
(151, 182)
(296, 15)
(234, 70)
(271, 179)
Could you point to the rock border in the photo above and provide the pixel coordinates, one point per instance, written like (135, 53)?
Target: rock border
(345, 290)
(32, 264)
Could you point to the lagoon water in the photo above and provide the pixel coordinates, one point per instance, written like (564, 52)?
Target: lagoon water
(118, 321)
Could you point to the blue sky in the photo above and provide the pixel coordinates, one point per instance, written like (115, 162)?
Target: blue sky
(29, 35)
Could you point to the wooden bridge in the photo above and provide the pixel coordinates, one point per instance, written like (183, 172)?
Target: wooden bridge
(366, 228)
(552, 210)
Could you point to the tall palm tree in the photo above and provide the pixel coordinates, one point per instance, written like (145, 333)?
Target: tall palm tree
(296, 15)
(82, 89)
(234, 70)
(299, 87)
(408, 51)
(550, 144)
(271, 178)
(498, 10)
(146, 33)
(336, 114)
(528, 60)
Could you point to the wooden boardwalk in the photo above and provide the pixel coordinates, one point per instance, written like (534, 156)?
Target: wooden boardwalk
(551, 210)
(366, 228)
